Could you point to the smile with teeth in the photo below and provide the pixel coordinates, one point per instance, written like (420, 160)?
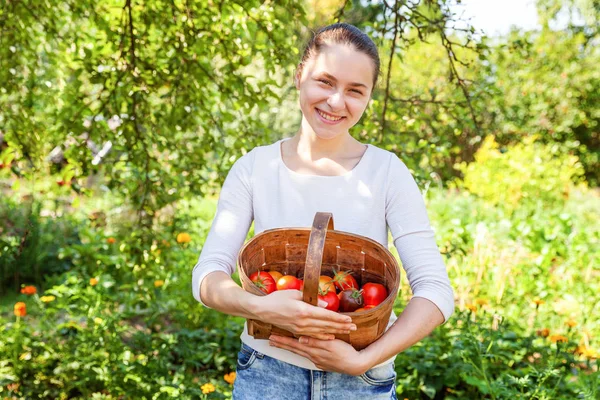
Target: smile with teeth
(328, 117)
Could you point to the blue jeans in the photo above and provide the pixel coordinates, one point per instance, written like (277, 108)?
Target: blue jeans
(262, 377)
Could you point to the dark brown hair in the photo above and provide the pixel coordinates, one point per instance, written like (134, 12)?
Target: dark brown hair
(341, 33)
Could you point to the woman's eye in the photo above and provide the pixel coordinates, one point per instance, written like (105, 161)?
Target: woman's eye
(329, 83)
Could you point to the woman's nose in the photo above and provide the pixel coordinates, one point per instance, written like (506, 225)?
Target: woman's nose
(336, 101)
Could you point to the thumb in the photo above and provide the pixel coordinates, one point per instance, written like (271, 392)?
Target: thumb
(322, 303)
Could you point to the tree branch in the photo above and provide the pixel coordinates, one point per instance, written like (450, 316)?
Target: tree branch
(337, 17)
(389, 73)
(131, 35)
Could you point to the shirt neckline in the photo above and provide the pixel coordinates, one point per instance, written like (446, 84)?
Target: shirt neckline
(348, 173)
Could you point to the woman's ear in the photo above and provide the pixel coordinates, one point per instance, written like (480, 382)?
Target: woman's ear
(297, 76)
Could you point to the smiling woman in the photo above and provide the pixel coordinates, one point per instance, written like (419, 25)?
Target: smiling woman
(368, 190)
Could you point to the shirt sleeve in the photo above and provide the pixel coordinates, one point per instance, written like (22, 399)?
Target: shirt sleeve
(230, 225)
(414, 239)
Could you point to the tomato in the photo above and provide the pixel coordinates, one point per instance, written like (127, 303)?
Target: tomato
(344, 280)
(276, 275)
(264, 281)
(374, 293)
(289, 282)
(326, 284)
(333, 302)
(350, 300)
(365, 308)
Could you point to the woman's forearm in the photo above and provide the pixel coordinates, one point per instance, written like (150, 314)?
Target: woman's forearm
(417, 321)
(220, 292)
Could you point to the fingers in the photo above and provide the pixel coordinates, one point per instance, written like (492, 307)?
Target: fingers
(329, 316)
(321, 336)
(290, 344)
(341, 324)
(311, 342)
(318, 312)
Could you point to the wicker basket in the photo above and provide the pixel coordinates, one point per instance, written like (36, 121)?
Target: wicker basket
(309, 253)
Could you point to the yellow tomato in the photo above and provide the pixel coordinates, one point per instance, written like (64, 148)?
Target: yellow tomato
(276, 275)
(326, 284)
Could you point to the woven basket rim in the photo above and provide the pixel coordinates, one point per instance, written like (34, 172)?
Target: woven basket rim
(273, 230)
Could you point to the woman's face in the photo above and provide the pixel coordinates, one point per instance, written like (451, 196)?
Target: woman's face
(335, 88)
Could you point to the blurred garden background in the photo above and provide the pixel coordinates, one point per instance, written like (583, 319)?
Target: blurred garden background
(119, 120)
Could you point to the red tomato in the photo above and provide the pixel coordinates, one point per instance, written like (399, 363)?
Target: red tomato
(264, 281)
(333, 302)
(365, 308)
(344, 280)
(289, 282)
(374, 293)
(326, 284)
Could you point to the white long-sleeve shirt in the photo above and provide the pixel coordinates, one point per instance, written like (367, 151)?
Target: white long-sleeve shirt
(379, 192)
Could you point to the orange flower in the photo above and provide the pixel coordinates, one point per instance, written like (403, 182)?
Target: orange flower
(13, 386)
(20, 309)
(158, 283)
(571, 323)
(111, 240)
(543, 332)
(471, 307)
(29, 290)
(538, 302)
(184, 238)
(558, 338)
(207, 388)
(93, 281)
(230, 377)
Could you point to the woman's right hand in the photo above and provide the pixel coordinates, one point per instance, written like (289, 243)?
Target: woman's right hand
(285, 309)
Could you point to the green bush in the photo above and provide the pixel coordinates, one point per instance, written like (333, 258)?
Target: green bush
(528, 172)
(30, 243)
(111, 327)
(480, 355)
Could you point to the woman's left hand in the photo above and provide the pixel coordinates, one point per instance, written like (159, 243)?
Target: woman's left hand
(329, 355)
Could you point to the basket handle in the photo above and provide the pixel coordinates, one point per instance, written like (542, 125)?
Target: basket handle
(314, 256)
